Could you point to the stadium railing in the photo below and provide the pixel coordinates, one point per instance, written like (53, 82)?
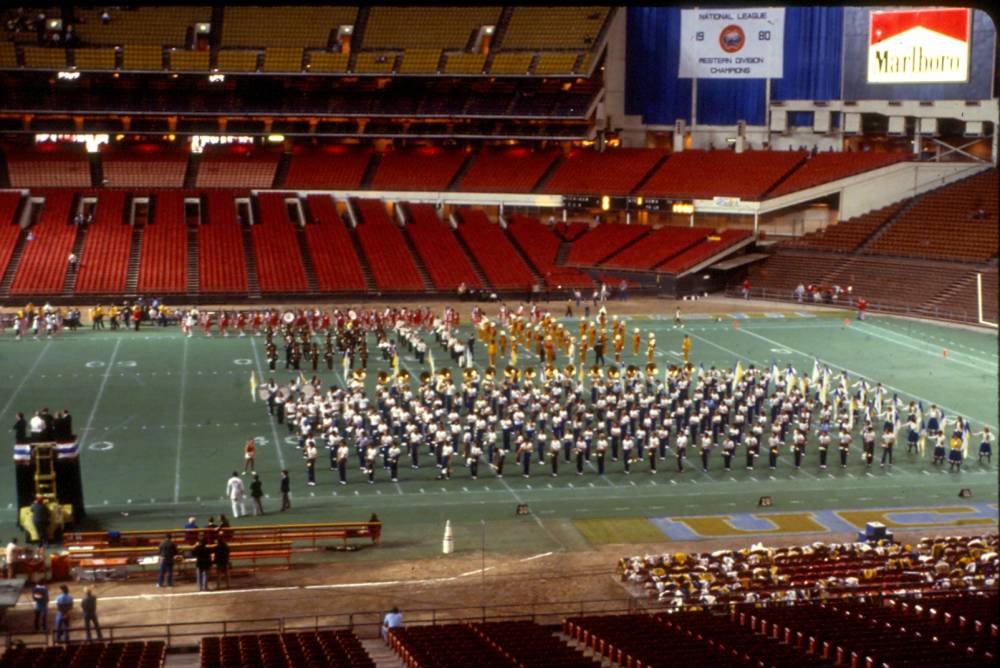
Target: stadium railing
(913, 311)
(311, 533)
(365, 623)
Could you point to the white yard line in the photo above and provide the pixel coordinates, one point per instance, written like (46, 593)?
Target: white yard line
(859, 375)
(533, 515)
(24, 379)
(100, 392)
(180, 422)
(274, 429)
(865, 328)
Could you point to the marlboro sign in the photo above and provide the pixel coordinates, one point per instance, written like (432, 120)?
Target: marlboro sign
(919, 46)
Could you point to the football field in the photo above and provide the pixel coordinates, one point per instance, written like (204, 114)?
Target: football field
(162, 420)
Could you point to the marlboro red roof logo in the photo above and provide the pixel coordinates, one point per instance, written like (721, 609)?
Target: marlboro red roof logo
(919, 46)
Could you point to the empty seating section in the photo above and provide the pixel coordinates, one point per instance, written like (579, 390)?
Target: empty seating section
(43, 264)
(136, 654)
(146, 165)
(158, 25)
(826, 167)
(554, 27)
(163, 269)
(884, 282)
(40, 57)
(602, 242)
(846, 236)
(105, 254)
(427, 168)
(541, 246)
(956, 222)
(706, 174)
(570, 231)
(284, 26)
(221, 261)
(334, 166)
(382, 242)
(49, 165)
(142, 57)
(531, 645)
(439, 27)
(324, 61)
(420, 61)
(657, 247)
(237, 166)
(704, 250)
(232, 60)
(10, 231)
(611, 173)
(446, 262)
(555, 63)
(445, 646)
(511, 63)
(283, 59)
(99, 58)
(464, 63)
(276, 248)
(507, 170)
(305, 649)
(504, 268)
(334, 260)
(189, 61)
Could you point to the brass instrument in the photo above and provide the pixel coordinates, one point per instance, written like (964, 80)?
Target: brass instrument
(614, 373)
(403, 377)
(425, 378)
(530, 373)
(470, 374)
(551, 373)
(631, 372)
(382, 378)
(511, 372)
(596, 372)
(569, 371)
(651, 370)
(490, 373)
(360, 375)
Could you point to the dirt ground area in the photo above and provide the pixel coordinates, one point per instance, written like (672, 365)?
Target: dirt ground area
(552, 585)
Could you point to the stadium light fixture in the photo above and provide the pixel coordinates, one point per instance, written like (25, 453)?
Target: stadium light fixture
(605, 203)
(276, 138)
(68, 75)
(216, 78)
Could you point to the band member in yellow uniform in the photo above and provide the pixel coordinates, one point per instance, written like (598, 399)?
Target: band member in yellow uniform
(636, 340)
(650, 348)
(686, 347)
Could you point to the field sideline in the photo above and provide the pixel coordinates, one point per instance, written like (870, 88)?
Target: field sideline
(162, 419)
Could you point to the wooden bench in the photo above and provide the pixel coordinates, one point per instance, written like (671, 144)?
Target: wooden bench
(91, 559)
(311, 534)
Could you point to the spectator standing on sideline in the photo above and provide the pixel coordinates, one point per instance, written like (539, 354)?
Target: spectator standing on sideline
(286, 489)
(393, 620)
(168, 552)
(64, 607)
(40, 595)
(11, 555)
(235, 491)
(249, 457)
(203, 562)
(862, 307)
(745, 288)
(89, 606)
(221, 555)
(256, 492)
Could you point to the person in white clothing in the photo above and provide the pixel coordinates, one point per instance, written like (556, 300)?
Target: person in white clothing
(235, 492)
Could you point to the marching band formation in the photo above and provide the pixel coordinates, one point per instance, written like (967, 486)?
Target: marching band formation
(586, 419)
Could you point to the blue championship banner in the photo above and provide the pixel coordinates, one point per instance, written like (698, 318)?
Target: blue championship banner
(732, 43)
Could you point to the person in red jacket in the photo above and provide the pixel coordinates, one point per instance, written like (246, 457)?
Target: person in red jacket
(746, 288)
(862, 307)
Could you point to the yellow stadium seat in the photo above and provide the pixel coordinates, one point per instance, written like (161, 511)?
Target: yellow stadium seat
(375, 62)
(511, 63)
(237, 61)
(420, 61)
(554, 27)
(555, 63)
(8, 55)
(39, 57)
(143, 57)
(425, 27)
(464, 63)
(283, 59)
(164, 25)
(94, 59)
(189, 61)
(283, 26)
(324, 61)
